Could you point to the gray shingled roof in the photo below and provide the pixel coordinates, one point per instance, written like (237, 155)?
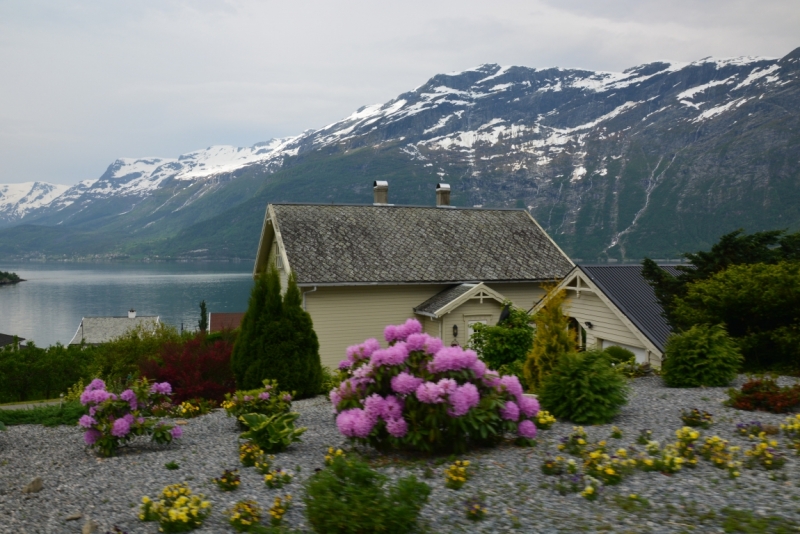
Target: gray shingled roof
(93, 330)
(442, 299)
(625, 286)
(341, 244)
(6, 339)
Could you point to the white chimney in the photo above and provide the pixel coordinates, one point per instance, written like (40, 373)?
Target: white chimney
(381, 190)
(131, 314)
(443, 194)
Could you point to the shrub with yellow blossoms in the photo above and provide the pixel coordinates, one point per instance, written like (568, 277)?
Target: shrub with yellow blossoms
(279, 508)
(575, 443)
(457, 474)
(765, 454)
(721, 455)
(685, 445)
(249, 453)
(544, 420)
(277, 478)
(244, 515)
(178, 510)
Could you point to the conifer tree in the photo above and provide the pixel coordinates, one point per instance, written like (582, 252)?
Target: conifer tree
(552, 340)
(203, 323)
(278, 342)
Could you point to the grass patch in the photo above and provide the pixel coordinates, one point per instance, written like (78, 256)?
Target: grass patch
(746, 521)
(53, 415)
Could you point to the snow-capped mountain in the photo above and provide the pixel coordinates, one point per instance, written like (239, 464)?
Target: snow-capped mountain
(17, 200)
(610, 163)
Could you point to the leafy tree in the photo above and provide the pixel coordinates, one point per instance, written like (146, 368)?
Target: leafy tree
(506, 342)
(281, 342)
(759, 304)
(203, 323)
(552, 340)
(28, 372)
(735, 248)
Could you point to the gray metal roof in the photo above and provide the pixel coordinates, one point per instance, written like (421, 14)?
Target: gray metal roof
(442, 299)
(350, 244)
(94, 330)
(625, 286)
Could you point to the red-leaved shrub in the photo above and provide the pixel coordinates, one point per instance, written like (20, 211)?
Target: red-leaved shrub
(196, 368)
(764, 394)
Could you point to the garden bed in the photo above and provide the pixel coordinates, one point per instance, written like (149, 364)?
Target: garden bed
(518, 496)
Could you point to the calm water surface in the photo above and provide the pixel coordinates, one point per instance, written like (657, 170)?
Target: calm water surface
(48, 307)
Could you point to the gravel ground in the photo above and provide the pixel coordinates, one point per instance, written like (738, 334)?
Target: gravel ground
(518, 496)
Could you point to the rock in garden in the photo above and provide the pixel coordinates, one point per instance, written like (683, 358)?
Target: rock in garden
(89, 527)
(34, 486)
(74, 517)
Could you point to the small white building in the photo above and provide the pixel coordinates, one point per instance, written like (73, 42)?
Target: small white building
(614, 305)
(96, 330)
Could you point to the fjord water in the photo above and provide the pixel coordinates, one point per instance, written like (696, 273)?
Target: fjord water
(48, 307)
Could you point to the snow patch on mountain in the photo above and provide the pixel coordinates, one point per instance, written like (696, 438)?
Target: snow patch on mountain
(16, 200)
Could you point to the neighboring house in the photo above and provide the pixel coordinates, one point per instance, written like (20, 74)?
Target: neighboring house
(5, 339)
(361, 267)
(224, 321)
(96, 330)
(614, 305)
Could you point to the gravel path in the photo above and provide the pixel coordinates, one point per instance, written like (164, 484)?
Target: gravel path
(518, 496)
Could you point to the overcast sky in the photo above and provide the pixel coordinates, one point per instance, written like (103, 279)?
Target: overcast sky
(85, 82)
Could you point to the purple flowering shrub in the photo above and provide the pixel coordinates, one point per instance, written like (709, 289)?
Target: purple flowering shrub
(267, 401)
(418, 394)
(114, 419)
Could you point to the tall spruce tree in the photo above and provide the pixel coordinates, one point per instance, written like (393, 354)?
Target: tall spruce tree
(203, 322)
(551, 341)
(278, 341)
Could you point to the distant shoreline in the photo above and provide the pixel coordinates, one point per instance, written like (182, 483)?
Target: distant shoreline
(11, 282)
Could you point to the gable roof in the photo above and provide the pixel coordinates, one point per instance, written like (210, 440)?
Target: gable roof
(366, 244)
(6, 339)
(218, 321)
(625, 286)
(451, 298)
(94, 330)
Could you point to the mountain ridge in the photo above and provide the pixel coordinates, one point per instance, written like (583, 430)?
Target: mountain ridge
(607, 162)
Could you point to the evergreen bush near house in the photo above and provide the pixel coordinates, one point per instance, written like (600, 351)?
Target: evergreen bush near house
(348, 497)
(552, 340)
(704, 355)
(584, 388)
(277, 340)
(505, 343)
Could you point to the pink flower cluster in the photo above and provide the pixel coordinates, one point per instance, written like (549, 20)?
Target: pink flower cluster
(164, 388)
(409, 366)
(393, 333)
(358, 422)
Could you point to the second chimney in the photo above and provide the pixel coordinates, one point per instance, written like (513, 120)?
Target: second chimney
(443, 194)
(131, 314)
(381, 190)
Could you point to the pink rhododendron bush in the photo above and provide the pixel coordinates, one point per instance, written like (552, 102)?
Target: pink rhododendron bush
(113, 419)
(418, 394)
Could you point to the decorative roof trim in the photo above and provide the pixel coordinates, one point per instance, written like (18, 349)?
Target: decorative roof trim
(638, 332)
(433, 283)
(462, 299)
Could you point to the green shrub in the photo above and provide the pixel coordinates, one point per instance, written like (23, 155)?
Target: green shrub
(51, 415)
(618, 355)
(584, 388)
(272, 433)
(505, 343)
(704, 355)
(33, 373)
(277, 340)
(348, 497)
